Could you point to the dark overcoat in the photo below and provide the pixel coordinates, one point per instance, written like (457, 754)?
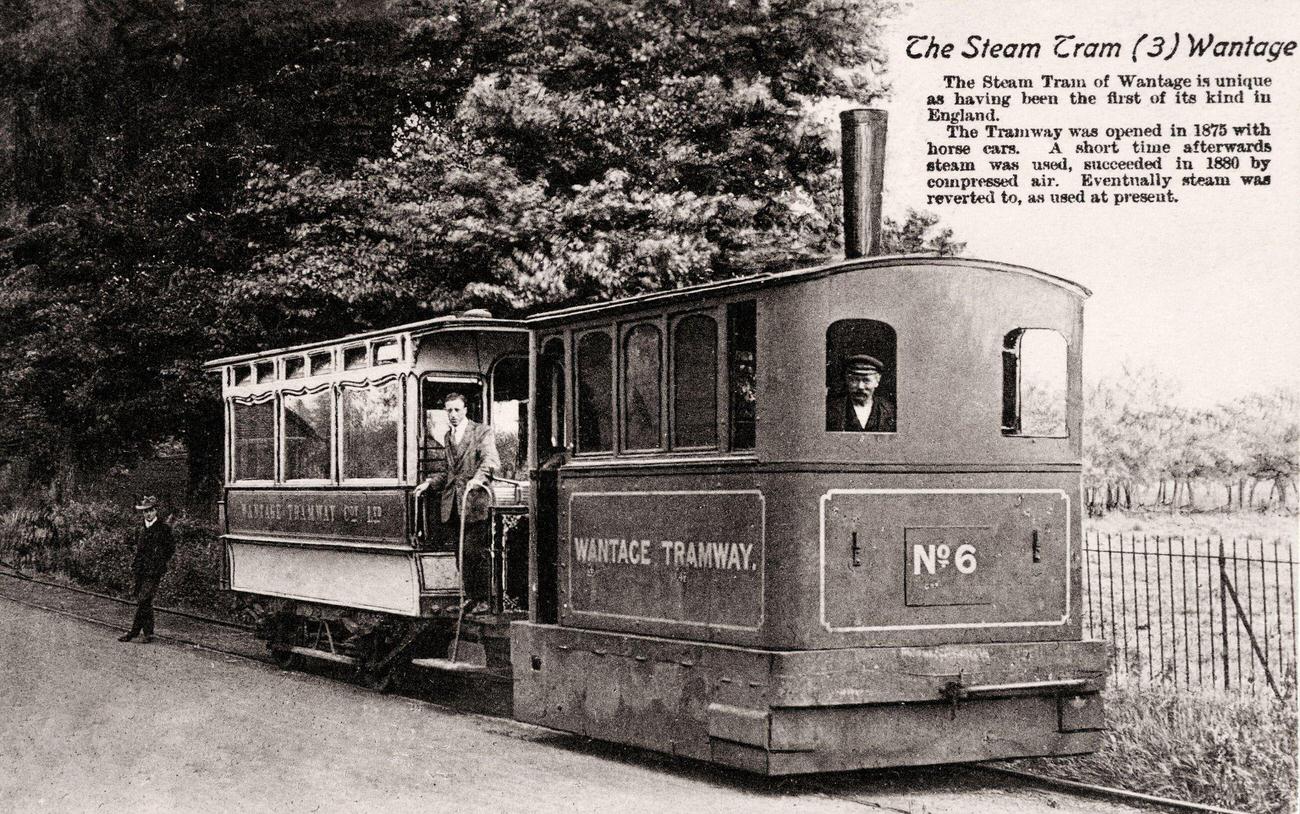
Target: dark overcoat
(154, 548)
(840, 416)
(475, 458)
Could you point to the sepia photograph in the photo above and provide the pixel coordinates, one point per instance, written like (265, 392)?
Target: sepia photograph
(613, 405)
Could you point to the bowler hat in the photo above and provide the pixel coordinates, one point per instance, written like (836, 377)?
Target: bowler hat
(862, 363)
(146, 503)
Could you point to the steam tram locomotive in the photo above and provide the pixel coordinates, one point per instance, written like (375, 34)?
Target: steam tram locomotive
(692, 551)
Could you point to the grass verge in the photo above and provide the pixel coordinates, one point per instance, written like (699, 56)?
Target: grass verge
(1242, 525)
(1200, 746)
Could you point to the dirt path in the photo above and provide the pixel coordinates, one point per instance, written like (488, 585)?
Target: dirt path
(90, 724)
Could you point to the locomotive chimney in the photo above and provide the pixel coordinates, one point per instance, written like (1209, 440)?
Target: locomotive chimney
(862, 137)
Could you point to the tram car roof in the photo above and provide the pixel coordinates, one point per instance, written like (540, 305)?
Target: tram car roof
(473, 320)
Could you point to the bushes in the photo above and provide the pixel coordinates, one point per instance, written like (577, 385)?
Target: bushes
(1232, 751)
(100, 545)
(93, 543)
(194, 577)
(27, 536)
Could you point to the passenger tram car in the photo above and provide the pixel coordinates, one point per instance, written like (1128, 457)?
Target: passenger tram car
(689, 554)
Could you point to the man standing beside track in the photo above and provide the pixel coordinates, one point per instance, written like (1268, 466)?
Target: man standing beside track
(153, 550)
(471, 451)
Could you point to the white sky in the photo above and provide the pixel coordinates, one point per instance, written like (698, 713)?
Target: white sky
(1206, 291)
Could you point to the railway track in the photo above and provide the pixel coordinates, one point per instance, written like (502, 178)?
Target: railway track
(10, 575)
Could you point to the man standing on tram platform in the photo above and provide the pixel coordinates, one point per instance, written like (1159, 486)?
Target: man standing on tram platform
(153, 550)
(471, 460)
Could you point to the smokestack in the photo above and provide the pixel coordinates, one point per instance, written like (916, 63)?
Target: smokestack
(862, 137)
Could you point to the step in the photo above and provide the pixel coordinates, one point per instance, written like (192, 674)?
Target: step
(323, 655)
(449, 666)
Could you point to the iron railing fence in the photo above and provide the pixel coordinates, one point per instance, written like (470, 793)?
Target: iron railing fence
(1194, 611)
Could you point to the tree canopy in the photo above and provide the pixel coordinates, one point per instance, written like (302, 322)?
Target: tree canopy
(191, 179)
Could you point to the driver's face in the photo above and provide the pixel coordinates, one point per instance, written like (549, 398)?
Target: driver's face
(455, 412)
(861, 386)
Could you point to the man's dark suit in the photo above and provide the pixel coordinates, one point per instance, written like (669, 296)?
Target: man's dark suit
(473, 459)
(841, 417)
(153, 550)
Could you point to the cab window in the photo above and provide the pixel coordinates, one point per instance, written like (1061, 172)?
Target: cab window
(595, 393)
(695, 382)
(641, 377)
(742, 372)
(1034, 381)
(861, 376)
(550, 398)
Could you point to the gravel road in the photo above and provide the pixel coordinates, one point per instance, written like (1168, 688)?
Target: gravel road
(91, 724)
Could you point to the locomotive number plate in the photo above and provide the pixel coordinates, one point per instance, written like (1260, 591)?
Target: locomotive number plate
(941, 565)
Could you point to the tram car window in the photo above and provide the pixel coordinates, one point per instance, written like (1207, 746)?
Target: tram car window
(510, 415)
(308, 434)
(321, 363)
(388, 352)
(354, 357)
(370, 416)
(254, 439)
(433, 421)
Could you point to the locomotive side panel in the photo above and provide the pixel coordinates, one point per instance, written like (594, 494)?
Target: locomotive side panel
(999, 557)
(764, 557)
(683, 556)
(687, 557)
(897, 559)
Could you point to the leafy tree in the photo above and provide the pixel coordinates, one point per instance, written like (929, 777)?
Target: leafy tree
(591, 150)
(197, 178)
(135, 125)
(1273, 448)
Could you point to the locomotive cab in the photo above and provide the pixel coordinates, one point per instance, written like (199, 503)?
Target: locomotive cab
(756, 584)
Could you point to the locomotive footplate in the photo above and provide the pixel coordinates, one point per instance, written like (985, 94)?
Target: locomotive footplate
(788, 712)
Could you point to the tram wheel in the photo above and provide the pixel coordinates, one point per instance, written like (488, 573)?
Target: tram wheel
(377, 680)
(285, 658)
